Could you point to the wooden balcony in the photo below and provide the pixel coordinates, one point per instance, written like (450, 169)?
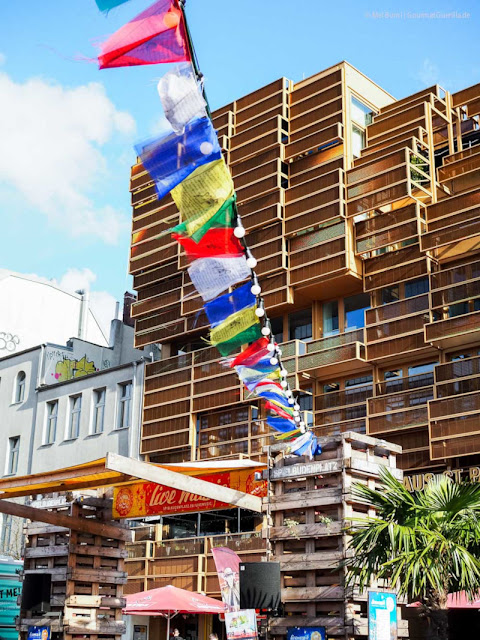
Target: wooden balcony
(396, 179)
(453, 226)
(461, 172)
(458, 331)
(393, 412)
(334, 355)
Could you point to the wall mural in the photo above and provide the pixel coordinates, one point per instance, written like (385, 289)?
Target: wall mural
(8, 342)
(68, 368)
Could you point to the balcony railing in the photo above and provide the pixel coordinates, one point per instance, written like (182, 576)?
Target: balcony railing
(343, 352)
(457, 331)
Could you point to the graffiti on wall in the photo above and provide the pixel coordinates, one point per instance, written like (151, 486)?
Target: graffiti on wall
(69, 368)
(8, 342)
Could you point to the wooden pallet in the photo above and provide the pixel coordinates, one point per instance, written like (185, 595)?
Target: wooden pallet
(309, 507)
(87, 574)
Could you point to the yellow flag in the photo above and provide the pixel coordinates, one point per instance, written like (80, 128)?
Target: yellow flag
(233, 325)
(202, 194)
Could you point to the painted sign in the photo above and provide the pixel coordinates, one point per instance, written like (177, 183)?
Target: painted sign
(150, 499)
(306, 633)
(38, 633)
(419, 481)
(241, 625)
(310, 469)
(10, 589)
(382, 615)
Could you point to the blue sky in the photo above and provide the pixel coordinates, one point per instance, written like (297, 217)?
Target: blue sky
(67, 130)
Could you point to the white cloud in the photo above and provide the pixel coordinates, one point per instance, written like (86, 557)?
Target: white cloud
(51, 152)
(429, 73)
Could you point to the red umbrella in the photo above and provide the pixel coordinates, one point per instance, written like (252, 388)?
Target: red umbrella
(168, 601)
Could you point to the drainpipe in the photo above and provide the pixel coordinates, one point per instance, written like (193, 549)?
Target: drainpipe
(83, 317)
(134, 440)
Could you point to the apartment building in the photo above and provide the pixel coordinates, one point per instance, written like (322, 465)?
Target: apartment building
(364, 215)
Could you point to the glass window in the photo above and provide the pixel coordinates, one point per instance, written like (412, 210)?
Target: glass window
(98, 410)
(416, 287)
(355, 382)
(330, 318)
(355, 311)
(6, 534)
(390, 294)
(74, 420)
(276, 325)
(360, 113)
(20, 387)
(51, 426)
(458, 309)
(330, 387)
(358, 141)
(124, 401)
(12, 455)
(421, 368)
(300, 325)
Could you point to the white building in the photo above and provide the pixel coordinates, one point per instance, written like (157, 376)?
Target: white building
(65, 405)
(34, 311)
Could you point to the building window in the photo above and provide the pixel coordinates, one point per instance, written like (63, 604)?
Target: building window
(12, 455)
(354, 309)
(358, 141)
(124, 402)
(276, 325)
(74, 420)
(20, 386)
(300, 325)
(6, 535)
(390, 294)
(360, 112)
(51, 426)
(416, 287)
(330, 318)
(98, 410)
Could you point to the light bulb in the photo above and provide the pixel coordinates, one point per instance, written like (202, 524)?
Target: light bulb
(297, 418)
(284, 373)
(251, 262)
(239, 232)
(290, 401)
(265, 331)
(284, 384)
(270, 346)
(273, 361)
(279, 351)
(259, 312)
(256, 290)
(296, 413)
(288, 393)
(296, 406)
(303, 428)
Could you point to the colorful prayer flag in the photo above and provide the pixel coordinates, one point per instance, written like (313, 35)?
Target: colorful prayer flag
(252, 354)
(221, 308)
(172, 157)
(215, 243)
(213, 276)
(181, 97)
(224, 217)
(156, 35)
(106, 5)
(283, 413)
(306, 445)
(281, 424)
(230, 334)
(200, 195)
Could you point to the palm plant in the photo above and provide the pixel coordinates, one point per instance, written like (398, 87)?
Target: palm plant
(424, 544)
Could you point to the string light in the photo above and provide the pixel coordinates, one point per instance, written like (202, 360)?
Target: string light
(251, 262)
(239, 232)
(266, 331)
(259, 312)
(256, 289)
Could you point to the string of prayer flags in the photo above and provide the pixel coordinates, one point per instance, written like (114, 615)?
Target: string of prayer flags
(213, 276)
(221, 308)
(253, 353)
(216, 242)
(106, 5)
(281, 424)
(200, 195)
(283, 413)
(155, 36)
(181, 97)
(172, 157)
(240, 328)
(305, 445)
(223, 218)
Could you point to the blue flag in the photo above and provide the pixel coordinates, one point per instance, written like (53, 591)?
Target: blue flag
(173, 157)
(281, 424)
(270, 395)
(221, 308)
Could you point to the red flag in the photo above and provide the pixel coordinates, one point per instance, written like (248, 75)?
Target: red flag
(252, 354)
(155, 35)
(278, 410)
(218, 243)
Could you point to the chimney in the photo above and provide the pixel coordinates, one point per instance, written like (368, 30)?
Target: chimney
(128, 299)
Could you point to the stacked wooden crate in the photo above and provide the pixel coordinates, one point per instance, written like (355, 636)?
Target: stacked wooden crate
(310, 504)
(87, 576)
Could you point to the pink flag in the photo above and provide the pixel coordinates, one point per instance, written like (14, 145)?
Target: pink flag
(227, 564)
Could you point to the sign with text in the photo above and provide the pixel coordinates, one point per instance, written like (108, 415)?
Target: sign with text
(241, 625)
(419, 481)
(306, 633)
(38, 633)
(307, 469)
(151, 499)
(382, 615)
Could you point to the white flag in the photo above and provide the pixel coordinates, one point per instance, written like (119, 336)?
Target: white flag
(212, 276)
(181, 97)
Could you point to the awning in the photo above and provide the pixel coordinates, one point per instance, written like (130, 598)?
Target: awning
(94, 474)
(458, 600)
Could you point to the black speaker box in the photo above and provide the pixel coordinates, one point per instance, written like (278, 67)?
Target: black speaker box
(36, 592)
(260, 585)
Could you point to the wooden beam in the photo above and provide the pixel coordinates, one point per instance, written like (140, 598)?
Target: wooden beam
(73, 485)
(85, 525)
(182, 482)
